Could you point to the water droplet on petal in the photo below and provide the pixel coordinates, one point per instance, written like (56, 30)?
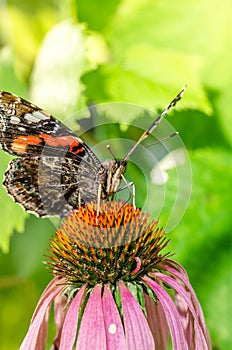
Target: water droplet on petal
(112, 328)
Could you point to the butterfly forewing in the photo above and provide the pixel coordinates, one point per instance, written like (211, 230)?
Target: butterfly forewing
(25, 129)
(56, 171)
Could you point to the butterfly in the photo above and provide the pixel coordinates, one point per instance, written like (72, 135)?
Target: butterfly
(55, 171)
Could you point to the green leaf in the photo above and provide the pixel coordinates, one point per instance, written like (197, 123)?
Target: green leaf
(96, 13)
(223, 106)
(146, 84)
(137, 292)
(60, 63)
(197, 129)
(8, 77)
(210, 208)
(218, 299)
(22, 279)
(23, 28)
(202, 240)
(170, 34)
(155, 65)
(117, 298)
(183, 26)
(12, 216)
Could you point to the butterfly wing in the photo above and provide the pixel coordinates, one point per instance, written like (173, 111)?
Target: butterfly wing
(27, 130)
(48, 186)
(56, 171)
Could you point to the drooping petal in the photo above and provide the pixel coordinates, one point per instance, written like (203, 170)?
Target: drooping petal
(92, 329)
(138, 333)
(173, 318)
(42, 334)
(59, 317)
(71, 320)
(180, 274)
(37, 327)
(157, 323)
(196, 340)
(52, 285)
(115, 336)
(188, 321)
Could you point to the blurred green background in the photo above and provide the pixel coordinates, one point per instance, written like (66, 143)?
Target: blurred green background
(63, 55)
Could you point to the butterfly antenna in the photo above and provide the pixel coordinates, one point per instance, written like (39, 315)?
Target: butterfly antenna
(158, 141)
(109, 149)
(161, 140)
(155, 123)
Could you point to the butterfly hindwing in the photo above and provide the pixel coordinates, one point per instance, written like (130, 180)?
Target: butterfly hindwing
(21, 182)
(49, 186)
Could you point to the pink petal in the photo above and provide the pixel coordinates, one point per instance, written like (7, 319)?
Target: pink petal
(92, 329)
(71, 321)
(59, 317)
(43, 331)
(186, 300)
(187, 320)
(36, 335)
(184, 296)
(52, 285)
(138, 334)
(157, 323)
(115, 337)
(181, 274)
(173, 318)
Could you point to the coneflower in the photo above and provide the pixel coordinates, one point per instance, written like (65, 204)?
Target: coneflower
(114, 288)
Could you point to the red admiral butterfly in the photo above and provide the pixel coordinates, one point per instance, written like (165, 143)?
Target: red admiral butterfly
(56, 171)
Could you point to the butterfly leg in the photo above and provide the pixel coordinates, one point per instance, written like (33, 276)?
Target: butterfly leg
(99, 192)
(79, 199)
(133, 193)
(129, 185)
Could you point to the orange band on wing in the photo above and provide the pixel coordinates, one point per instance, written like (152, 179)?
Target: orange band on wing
(22, 142)
(74, 145)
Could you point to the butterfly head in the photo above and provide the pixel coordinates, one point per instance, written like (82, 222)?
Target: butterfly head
(113, 172)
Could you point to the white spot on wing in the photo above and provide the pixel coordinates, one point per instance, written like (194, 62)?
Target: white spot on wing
(40, 115)
(35, 117)
(14, 120)
(79, 139)
(30, 118)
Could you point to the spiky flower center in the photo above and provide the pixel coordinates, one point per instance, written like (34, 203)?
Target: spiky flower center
(117, 244)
